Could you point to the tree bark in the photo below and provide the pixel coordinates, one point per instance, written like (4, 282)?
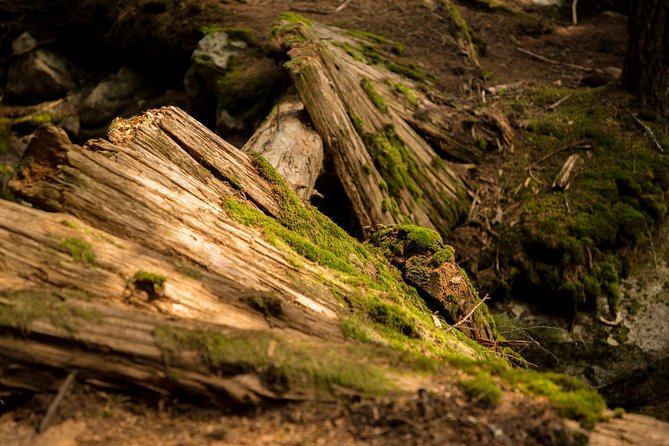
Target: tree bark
(646, 69)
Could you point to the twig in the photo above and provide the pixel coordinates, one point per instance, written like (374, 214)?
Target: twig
(649, 133)
(343, 5)
(652, 250)
(579, 145)
(64, 387)
(574, 17)
(558, 103)
(468, 315)
(554, 62)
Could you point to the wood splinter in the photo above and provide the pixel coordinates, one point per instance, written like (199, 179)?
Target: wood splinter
(567, 172)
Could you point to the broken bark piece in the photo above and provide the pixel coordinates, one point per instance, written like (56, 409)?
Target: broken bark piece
(568, 172)
(293, 148)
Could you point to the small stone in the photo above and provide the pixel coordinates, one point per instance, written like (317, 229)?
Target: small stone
(38, 76)
(23, 44)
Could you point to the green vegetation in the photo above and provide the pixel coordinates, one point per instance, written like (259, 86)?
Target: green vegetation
(408, 93)
(481, 389)
(241, 34)
(462, 30)
(377, 50)
(566, 246)
(570, 397)
(392, 160)
(287, 363)
(373, 95)
(21, 309)
(151, 283)
(80, 250)
(266, 303)
(406, 240)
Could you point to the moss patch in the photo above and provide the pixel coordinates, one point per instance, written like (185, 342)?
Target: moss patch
(481, 389)
(282, 363)
(151, 283)
(566, 249)
(373, 95)
(80, 250)
(21, 309)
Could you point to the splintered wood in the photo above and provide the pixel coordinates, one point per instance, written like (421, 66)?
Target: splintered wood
(376, 124)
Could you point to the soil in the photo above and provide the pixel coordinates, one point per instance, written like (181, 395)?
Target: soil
(90, 416)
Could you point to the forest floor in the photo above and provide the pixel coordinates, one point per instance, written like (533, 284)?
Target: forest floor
(90, 416)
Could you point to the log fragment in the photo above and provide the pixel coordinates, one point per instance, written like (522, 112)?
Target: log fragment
(290, 145)
(365, 114)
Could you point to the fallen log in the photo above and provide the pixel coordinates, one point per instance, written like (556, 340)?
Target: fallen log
(372, 116)
(147, 188)
(166, 246)
(290, 145)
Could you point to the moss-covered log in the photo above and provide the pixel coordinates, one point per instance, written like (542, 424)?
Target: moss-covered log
(167, 218)
(376, 123)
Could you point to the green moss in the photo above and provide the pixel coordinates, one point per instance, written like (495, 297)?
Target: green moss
(393, 317)
(462, 30)
(21, 309)
(354, 328)
(291, 17)
(241, 34)
(569, 396)
(373, 95)
(407, 240)
(481, 389)
(408, 93)
(368, 36)
(394, 162)
(566, 246)
(291, 364)
(69, 224)
(80, 250)
(445, 255)
(266, 303)
(151, 283)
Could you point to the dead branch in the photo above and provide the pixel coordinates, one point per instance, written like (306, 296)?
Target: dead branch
(649, 133)
(579, 145)
(56, 401)
(553, 62)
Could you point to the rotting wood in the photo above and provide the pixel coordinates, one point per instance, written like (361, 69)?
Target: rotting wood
(112, 345)
(150, 191)
(42, 256)
(368, 118)
(290, 145)
(568, 172)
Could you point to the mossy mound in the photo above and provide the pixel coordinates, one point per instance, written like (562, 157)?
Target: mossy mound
(564, 250)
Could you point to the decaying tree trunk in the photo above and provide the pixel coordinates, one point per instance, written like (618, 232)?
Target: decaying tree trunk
(290, 145)
(171, 261)
(371, 114)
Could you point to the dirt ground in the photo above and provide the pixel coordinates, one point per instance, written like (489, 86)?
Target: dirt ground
(90, 416)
